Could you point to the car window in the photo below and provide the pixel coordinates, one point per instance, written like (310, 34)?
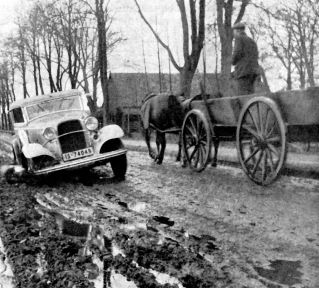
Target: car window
(17, 115)
(54, 105)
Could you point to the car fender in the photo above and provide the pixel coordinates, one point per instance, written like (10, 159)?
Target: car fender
(16, 149)
(107, 133)
(32, 150)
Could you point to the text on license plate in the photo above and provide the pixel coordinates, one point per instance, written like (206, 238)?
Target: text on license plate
(78, 154)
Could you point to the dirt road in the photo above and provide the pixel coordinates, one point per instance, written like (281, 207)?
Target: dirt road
(165, 226)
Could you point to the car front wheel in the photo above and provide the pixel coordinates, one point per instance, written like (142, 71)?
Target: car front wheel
(119, 166)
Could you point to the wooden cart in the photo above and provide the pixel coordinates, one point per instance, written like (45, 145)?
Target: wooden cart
(261, 125)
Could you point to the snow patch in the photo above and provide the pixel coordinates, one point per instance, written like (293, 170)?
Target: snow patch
(6, 273)
(120, 281)
(138, 207)
(98, 281)
(163, 279)
(116, 250)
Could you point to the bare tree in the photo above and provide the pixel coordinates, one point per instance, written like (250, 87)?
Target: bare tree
(197, 30)
(304, 23)
(295, 42)
(67, 40)
(283, 49)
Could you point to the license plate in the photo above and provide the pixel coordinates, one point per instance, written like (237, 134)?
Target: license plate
(77, 154)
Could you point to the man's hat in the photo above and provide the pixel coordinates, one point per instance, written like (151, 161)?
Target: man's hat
(239, 26)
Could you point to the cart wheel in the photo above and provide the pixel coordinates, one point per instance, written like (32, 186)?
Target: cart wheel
(197, 140)
(261, 140)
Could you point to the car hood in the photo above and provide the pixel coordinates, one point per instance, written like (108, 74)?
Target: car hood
(54, 119)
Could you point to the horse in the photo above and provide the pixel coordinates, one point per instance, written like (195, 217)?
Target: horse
(163, 113)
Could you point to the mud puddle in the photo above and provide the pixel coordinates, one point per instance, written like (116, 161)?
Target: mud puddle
(282, 271)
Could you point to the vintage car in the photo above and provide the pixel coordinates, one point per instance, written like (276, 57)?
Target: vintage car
(56, 132)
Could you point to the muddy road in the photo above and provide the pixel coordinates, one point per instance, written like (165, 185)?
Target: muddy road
(164, 226)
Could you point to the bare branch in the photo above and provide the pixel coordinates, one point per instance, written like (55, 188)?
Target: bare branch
(181, 6)
(193, 20)
(220, 19)
(242, 10)
(165, 46)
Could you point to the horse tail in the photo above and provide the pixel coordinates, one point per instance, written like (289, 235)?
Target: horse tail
(145, 114)
(148, 97)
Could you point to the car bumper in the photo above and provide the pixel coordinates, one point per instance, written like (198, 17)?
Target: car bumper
(82, 162)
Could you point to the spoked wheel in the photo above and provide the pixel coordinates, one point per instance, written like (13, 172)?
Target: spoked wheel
(261, 140)
(197, 140)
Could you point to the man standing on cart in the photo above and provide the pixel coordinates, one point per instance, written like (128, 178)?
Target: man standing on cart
(245, 60)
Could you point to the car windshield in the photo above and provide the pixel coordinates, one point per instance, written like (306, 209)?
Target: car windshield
(53, 105)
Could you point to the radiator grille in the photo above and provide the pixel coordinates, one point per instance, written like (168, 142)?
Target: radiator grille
(74, 141)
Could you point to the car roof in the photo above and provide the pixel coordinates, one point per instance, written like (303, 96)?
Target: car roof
(40, 98)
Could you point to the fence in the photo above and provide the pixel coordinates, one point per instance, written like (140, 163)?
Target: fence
(130, 119)
(10, 132)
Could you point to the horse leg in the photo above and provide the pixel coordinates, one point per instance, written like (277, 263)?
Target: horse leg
(158, 145)
(216, 145)
(178, 157)
(161, 145)
(148, 143)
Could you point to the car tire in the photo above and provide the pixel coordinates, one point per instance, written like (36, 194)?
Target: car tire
(119, 166)
(10, 176)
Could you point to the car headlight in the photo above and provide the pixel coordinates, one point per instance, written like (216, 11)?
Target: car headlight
(49, 133)
(91, 123)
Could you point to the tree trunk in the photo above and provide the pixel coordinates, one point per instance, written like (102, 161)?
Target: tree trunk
(185, 81)
(22, 59)
(7, 88)
(24, 78)
(289, 80)
(85, 79)
(34, 64)
(145, 70)
(226, 54)
(48, 58)
(264, 79)
(35, 78)
(39, 68)
(94, 91)
(102, 48)
(59, 52)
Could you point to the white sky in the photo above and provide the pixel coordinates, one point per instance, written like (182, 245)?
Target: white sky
(7, 8)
